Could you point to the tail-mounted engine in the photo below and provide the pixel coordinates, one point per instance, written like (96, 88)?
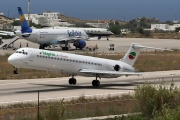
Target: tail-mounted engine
(118, 68)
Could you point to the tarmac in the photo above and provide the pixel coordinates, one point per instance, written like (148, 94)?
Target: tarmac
(121, 45)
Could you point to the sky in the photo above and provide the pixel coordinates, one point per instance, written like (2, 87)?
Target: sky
(98, 9)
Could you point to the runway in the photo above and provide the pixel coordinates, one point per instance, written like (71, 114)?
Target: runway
(12, 91)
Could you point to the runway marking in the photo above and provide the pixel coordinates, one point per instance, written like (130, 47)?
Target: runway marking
(30, 82)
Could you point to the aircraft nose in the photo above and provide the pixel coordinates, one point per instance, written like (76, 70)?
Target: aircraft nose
(11, 59)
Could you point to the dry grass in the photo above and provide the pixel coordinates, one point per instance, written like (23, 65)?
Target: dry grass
(156, 35)
(147, 61)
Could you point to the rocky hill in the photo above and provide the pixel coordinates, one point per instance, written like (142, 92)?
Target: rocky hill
(5, 20)
(76, 20)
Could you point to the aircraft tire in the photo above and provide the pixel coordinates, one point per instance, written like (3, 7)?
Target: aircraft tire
(96, 83)
(72, 81)
(15, 72)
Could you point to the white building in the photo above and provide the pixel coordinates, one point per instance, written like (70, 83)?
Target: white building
(48, 19)
(164, 27)
(51, 15)
(1, 13)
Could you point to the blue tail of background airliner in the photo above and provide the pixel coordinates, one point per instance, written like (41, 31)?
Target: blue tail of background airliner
(24, 25)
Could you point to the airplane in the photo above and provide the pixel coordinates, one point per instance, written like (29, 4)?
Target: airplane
(46, 37)
(93, 32)
(77, 64)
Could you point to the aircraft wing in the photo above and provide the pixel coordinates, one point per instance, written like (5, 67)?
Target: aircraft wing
(7, 33)
(73, 38)
(103, 72)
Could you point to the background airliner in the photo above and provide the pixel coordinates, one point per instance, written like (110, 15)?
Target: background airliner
(77, 64)
(46, 37)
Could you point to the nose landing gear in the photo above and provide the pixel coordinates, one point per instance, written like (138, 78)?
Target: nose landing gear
(15, 70)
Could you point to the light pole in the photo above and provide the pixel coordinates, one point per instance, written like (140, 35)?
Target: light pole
(28, 11)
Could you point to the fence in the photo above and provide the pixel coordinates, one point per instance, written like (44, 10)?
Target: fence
(69, 108)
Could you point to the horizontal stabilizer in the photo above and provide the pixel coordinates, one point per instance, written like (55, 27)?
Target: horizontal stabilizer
(7, 33)
(136, 46)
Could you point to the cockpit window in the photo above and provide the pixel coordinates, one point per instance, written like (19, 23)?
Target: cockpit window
(22, 52)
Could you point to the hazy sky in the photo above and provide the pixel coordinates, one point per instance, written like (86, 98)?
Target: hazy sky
(98, 9)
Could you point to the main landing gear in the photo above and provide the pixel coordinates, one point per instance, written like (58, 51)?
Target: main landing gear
(107, 38)
(15, 71)
(66, 46)
(96, 82)
(42, 46)
(72, 81)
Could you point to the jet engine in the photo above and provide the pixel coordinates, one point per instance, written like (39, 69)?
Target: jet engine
(118, 68)
(80, 44)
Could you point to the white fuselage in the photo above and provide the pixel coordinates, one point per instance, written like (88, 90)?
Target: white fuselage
(97, 31)
(91, 31)
(64, 62)
(52, 36)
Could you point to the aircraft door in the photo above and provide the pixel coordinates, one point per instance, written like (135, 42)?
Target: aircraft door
(107, 66)
(31, 57)
(33, 37)
(37, 36)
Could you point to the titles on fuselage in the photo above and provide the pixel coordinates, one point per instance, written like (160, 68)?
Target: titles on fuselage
(73, 33)
(48, 53)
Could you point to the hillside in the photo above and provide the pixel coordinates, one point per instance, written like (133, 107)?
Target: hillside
(5, 20)
(76, 20)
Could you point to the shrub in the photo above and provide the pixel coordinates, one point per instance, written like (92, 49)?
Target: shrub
(152, 98)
